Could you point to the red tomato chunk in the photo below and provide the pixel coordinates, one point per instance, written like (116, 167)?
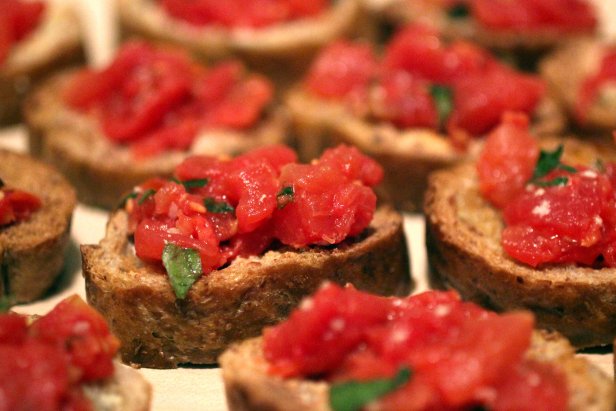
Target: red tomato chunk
(43, 365)
(566, 216)
(398, 87)
(241, 206)
(16, 206)
(17, 20)
(458, 352)
(591, 87)
(154, 100)
(238, 13)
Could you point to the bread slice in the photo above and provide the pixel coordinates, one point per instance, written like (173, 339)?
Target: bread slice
(32, 251)
(234, 302)
(283, 47)
(126, 390)
(566, 69)
(463, 238)
(56, 43)
(432, 12)
(102, 171)
(248, 386)
(408, 156)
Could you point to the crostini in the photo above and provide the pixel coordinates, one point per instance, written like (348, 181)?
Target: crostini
(108, 130)
(498, 24)
(275, 35)
(227, 247)
(580, 76)
(37, 37)
(36, 207)
(415, 109)
(347, 350)
(65, 360)
(527, 229)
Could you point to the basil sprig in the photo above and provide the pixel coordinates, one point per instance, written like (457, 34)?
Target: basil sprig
(443, 99)
(354, 395)
(217, 207)
(285, 196)
(146, 194)
(458, 11)
(192, 183)
(549, 161)
(183, 266)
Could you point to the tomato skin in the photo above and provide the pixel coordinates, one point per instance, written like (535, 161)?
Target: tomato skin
(17, 20)
(507, 161)
(17, 205)
(460, 355)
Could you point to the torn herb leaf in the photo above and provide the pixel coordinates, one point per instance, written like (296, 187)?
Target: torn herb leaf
(218, 207)
(458, 11)
(443, 99)
(146, 194)
(354, 395)
(6, 302)
(285, 196)
(183, 266)
(126, 198)
(557, 181)
(195, 183)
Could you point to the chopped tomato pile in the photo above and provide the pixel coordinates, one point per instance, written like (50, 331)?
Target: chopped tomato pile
(459, 355)
(228, 208)
(422, 81)
(238, 13)
(156, 100)
(522, 15)
(554, 212)
(17, 20)
(42, 365)
(592, 85)
(16, 205)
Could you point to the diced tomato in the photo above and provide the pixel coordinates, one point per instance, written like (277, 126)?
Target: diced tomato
(507, 161)
(17, 205)
(17, 20)
(235, 13)
(523, 15)
(591, 86)
(13, 328)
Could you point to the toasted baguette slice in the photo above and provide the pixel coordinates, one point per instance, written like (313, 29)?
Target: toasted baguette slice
(565, 71)
(432, 12)
(285, 47)
(102, 171)
(32, 251)
(248, 385)
(56, 43)
(408, 156)
(126, 390)
(463, 237)
(233, 303)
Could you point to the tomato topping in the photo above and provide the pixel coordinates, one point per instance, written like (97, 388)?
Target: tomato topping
(237, 13)
(456, 351)
(523, 15)
(17, 205)
(155, 100)
(17, 20)
(592, 85)
(406, 86)
(554, 213)
(222, 209)
(43, 365)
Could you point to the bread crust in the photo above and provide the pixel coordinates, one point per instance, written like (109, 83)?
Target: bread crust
(55, 44)
(407, 156)
(102, 171)
(232, 303)
(566, 69)
(463, 235)
(248, 386)
(32, 251)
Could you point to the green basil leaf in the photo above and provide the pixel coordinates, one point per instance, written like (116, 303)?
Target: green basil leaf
(354, 395)
(548, 161)
(567, 168)
(6, 302)
(146, 194)
(557, 181)
(443, 99)
(195, 183)
(458, 11)
(127, 197)
(218, 207)
(285, 196)
(183, 266)
(600, 166)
